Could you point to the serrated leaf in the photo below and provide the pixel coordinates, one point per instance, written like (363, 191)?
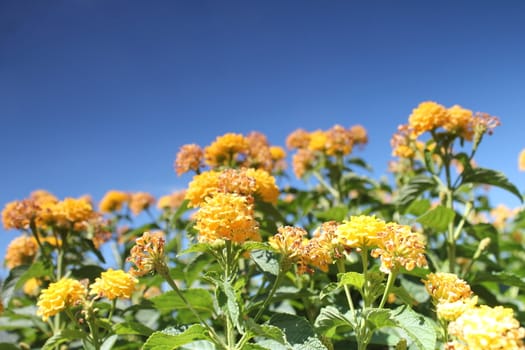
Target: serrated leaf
(413, 189)
(489, 177)
(378, 318)
(299, 333)
(229, 305)
(329, 319)
(419, 329)
(173, 338)
(267, 261)
(353, 279)
(437, 218)
(132, 327)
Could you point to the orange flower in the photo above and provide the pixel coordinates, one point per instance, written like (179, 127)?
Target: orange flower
(427, 116)
(289, 241)
(171, 201)
(113, 201)
(359, 135)
(225, 150)
(190, 157)
(227, 216)
(258, 154)
(339, 141)
(323, 248)
(264, 185)
(521, 161)
(21, 251)
(302, 161)
(114, 284)
(147, 254)
(201, 187)
(446, 287)
(299, 138)
(18, 214)
(140, 201)
(60, 295)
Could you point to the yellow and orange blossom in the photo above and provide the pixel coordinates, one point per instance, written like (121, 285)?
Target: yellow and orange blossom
(147, 254)
(446, 287)
(360, 231)
(521, 161)
(427, 116)
(113, 201)
(22, 250)
(60, 295)
(114, 284)
(225, 150)
(227, 216)
(190, 157)
(171, 201)
(140, 201)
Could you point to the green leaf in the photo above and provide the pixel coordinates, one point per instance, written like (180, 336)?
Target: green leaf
(418, 207)
(173, 338)
(64, 336)
(505, 278)
(200, 299)
(8, 346)
(330, 319)
(20, 275)
(336, 213)
(109, 342)
(90, 272)
(437, 218)
(419, 328)
(490, 177)
(299, 333)
(196, 248)
(267, 261)
(354, 279)
(378, 318)
(227, 300)
(132, 327)
(413, 189)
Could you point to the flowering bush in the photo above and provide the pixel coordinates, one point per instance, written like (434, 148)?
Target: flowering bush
(338, 261)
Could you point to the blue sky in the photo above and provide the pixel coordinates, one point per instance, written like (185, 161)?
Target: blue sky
(98, 95)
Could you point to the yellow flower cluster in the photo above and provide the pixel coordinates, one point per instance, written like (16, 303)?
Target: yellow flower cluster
(114, 284)
(60, 295)
(147, 254)
(227, 216)
(521, 161)
(360, 232)
(323, 249)
(484, 327)
(289, 242)
(246, 182)
(113, 201)
(171, 201)
(19, 214)
(63, 213)
(21, 251)
(399, 246)
(226, 150)
(140, 201)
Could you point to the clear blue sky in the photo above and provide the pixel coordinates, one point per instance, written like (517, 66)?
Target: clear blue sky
(100, 94)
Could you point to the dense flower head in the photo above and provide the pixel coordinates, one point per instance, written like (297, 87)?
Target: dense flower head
(171, 201)
(70, 210)
(278, 155)
(114, 284)
(359, 135)
(32, 287)
(21, 251)
(360, 231)
(403, 142)
(43, 196)
(318, 140)
(302, 161)
(427, 116)
(484, 327)
(190, 157)
(258, 155)
(140, 201)
(450, 311)
(19, 214)
(265, 185)
(339, 141)
(236, 181)
(446, 287)
(521, 160)
(113, 201)
(59, 295)
(227, 216)
(299, 138)
(399, 246)
(289, 241)
(202, 186)
(323, 249)
(147, 254)
(459, 121)
(225, 150)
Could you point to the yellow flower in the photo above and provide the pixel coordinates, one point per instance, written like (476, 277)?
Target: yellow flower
(201, 187)
(323, 248)
(289, 241)
(140, 201)
(399, 247)
(171, 201)
(43, 196)
(32, 287)
(21, 251)
(147, 254)
(450, 311)
(521, 161)
(71, 210)
(264, 185)
(190, 157)
(225, 150)
(277, 153)
(59, 296)
(318, 140)
(299, 138)
(113, 201)
(360, 231)
(460, 122)
(227, 216)
(446, 287)
(114, 284)
(484, 327)
(403, 142)
(427, 116)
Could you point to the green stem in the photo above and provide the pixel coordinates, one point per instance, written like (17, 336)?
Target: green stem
(389, 284)
(364, 259)
(326, 185)
(270, 295)
(341, 269)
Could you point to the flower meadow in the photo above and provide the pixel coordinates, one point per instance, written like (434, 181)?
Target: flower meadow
(421, 259)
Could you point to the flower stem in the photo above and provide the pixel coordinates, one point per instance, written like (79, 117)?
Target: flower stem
(341, 269)
(389, 284)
